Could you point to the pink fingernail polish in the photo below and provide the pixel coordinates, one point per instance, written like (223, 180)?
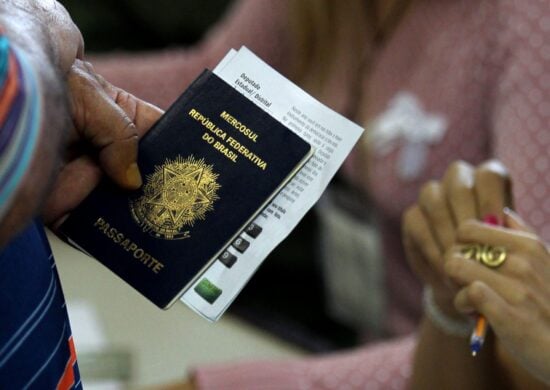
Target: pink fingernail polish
(491, 219)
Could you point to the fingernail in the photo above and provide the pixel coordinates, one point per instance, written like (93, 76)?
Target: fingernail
(133, 176)
(509, 211)
(491, 219)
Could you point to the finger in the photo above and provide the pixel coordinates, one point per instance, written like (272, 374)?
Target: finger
(433, 203)
(481, 298)
(492, 189)
(418, 263)
(107, 127)
(418, 236)
(513, 221)
(517, 328)
(482, 233)
(507, 281)
(144, 115)
(467, 272)
(458, 185)
(141, 113)
(464, 271)
(73, 183)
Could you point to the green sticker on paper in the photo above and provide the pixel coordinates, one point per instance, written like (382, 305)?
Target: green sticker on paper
(208, 290)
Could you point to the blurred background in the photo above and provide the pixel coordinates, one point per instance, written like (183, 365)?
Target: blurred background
(281, 313)
(141, 24)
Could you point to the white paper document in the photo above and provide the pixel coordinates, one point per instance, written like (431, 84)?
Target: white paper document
(332, 137)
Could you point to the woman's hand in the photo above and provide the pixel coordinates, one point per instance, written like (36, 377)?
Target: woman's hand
(429, 226)
(515, 298)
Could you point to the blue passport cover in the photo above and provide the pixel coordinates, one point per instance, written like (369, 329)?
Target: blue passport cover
(210, 164)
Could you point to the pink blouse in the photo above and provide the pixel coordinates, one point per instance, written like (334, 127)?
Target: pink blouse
(465, 79)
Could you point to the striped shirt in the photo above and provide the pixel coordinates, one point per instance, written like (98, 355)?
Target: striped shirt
(36, 345)
(20, 107)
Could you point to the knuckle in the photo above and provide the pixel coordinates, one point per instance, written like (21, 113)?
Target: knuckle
(536, 249)
(523, 270)
(460, 192)
(79, 78)
(100, 79)
(433, 256)
(476, 292)
(83, 72)
(409, 217)
(74, 72)
(122, 97)
(464, 230)
(130, 131)
(521, 296)
(453, 267)
(430, 192)
(413, 227)
(88, 65)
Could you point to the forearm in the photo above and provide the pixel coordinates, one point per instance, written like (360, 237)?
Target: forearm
(443, 357)
(42, 97)
(444, 361)
(27, 33)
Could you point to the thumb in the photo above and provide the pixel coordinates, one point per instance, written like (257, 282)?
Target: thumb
(102, 123)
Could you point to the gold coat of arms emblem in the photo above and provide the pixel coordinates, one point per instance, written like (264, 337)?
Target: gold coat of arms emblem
(176, 195)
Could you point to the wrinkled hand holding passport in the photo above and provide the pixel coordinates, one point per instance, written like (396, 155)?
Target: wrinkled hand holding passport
(229, 170)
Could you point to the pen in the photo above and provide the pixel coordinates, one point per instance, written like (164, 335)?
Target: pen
(478, 335)
(480, 329)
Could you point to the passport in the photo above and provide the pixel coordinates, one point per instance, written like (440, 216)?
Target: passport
(210, 164)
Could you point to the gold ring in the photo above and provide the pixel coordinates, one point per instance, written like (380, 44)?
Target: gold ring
(487, 255)
(493, 257)
(470, 252)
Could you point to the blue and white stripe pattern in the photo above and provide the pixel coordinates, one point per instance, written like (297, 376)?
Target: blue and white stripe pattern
(20, 108)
